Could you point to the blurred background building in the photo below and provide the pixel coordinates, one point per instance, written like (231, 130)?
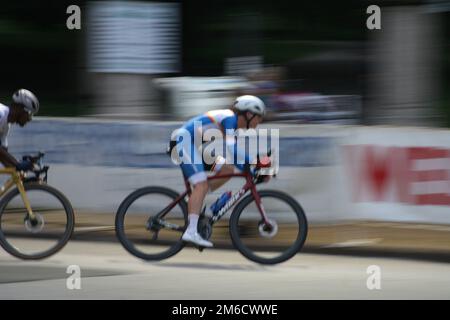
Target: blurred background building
(311, 61)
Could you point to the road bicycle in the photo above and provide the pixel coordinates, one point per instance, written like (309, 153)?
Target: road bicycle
(36, 220)
(266, 226)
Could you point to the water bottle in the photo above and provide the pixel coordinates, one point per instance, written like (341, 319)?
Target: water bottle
(216, 206)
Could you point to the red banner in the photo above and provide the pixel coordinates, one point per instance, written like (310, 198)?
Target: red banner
(413, 175)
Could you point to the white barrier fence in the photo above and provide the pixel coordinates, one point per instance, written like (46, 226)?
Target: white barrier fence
(336, 172)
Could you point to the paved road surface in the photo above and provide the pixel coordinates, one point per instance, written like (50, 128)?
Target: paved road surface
(108, 272)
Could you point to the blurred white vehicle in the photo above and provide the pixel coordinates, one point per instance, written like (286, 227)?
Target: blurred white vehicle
(314, 108)
(191, 96)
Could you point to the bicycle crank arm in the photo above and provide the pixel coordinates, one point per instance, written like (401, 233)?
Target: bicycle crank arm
(169, 225)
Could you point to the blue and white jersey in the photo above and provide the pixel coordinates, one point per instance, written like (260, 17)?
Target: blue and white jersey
(4, 125)
(224, 120)
(217, 119)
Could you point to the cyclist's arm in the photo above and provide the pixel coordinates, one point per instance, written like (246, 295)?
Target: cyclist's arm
(240, 157)
(6, 158)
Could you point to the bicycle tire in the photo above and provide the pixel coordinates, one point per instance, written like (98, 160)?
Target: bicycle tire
(68, 228)
(293, 249)
(120, 216)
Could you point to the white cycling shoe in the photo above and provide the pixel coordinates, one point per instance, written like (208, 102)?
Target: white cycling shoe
(197, 239)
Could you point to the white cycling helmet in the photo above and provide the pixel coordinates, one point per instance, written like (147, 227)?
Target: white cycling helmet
(250, 103)
(27, 99)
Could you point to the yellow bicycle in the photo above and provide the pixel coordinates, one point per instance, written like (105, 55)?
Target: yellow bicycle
(36, 220)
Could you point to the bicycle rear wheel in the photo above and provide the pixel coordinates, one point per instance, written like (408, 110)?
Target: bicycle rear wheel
(154, 241)
(270, 246)
(43, 237)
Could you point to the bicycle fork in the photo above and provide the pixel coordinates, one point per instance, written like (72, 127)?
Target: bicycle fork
(30, 214)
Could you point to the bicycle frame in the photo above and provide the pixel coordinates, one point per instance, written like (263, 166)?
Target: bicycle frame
(16, 179)
(249, 185)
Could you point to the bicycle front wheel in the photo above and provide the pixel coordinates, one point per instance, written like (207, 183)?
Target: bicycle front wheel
(139, 231)
(269, 245)
(39, 238)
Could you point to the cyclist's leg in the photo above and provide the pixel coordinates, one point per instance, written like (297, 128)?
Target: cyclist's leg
(196, 176)
(217, 183)
(195, 203)
(197, 197)
(220, 167)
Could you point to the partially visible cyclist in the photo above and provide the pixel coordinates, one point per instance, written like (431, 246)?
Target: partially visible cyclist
(246, 113)
(24, 105)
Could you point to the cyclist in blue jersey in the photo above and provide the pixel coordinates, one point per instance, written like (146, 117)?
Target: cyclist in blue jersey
(247, 112)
